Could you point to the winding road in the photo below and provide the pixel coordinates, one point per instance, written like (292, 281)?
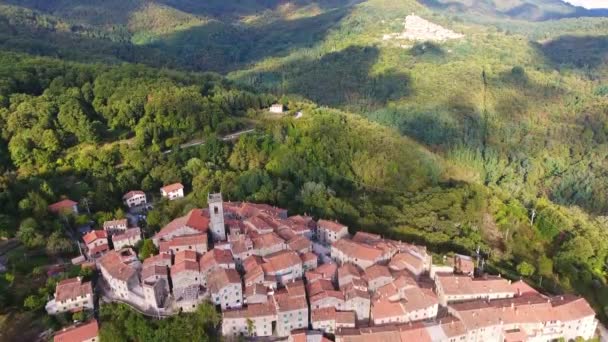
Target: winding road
(229, 137)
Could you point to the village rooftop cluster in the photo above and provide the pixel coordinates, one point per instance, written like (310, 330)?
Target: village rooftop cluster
(276, 275)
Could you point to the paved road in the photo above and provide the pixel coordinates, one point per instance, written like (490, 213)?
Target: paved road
(229, 137)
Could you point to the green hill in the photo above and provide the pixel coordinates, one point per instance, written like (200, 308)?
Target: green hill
(449, 143)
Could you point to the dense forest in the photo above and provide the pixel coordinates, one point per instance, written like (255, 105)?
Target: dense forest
(495, 141)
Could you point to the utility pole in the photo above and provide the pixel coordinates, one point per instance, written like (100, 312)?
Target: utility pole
(532, 216)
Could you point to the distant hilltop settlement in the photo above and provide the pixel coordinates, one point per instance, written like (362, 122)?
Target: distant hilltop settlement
(294, 278)
(418, 29)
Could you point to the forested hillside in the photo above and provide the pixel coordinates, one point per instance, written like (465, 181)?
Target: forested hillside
(497, 139)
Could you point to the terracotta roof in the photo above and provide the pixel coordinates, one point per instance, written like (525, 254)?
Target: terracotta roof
(186, 265)
(328, 270)
(302, 219)
(417, 299)
(253, 273)
(348, 269)
(522, 288)
(153, 271)
(241, 246)
(113, 223)
(182, 256)
(78, 333)
(308, 256)
(266, 240)
(94, 235)
(251, 311)
(331, 225)
(384, 308)
(521, 310)
(185, 240)
(286, 302)
(127, 234)
(345, 317)
(216, 257)
(465, 285)
(196, 219)
(286, 234)
(407, 332)
(221, 278)
(320, 286)
(172, 187)
(132, 193)
(296, 288)
(251, 262)
(72, 288)
(99, 249)
(357, 250)
(330, 314)
(464, 263)
(66, 204)
(363, 237)
(280, 261)
(376, 272)
(401, 261)
(323, 314)
(113, 264)
(327, 294)
(160, 259)
(255, 289)
(299, 243)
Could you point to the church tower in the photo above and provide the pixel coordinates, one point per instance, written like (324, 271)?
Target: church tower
(216, 214)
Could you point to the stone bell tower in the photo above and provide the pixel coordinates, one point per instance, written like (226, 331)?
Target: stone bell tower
(216, 214)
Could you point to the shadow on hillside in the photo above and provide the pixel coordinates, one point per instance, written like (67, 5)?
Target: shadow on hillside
(235, 9)
(585, 52)
(341, 79)
(215, 46)
(224, 47)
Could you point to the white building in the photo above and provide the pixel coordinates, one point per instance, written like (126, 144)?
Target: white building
(130, 237)
(347, 251)
(292, 311)
(329, 232)
(286, 266)
(225, 288)
(277, 108)
(459, 288)
(253, 320)
(115, 226)
(172, 191)
(121, 277)
(134, 198)
(70, 295)
(329, 320)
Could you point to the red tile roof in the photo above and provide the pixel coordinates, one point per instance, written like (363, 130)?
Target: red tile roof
(384, 308)
(172, 187)
(252, 311)
(280, 261)
(331, 225)
(465, 285)
(78, 333)
(113, 223)
(113, 264)
(94, 235)
(63, 205)
(286, 302)
(153, 271)
(266, 241)
(160, 259)
(132, 193)
(182, 256)
(186, 240)
(186, 265)
(128, 234)
(196, 219)
(358, 250)
(215, 257)
(376, 272)
(72, 288)
(363, 237)
(221, 278)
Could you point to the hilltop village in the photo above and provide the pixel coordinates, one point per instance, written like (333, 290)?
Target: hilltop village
(294, 278)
